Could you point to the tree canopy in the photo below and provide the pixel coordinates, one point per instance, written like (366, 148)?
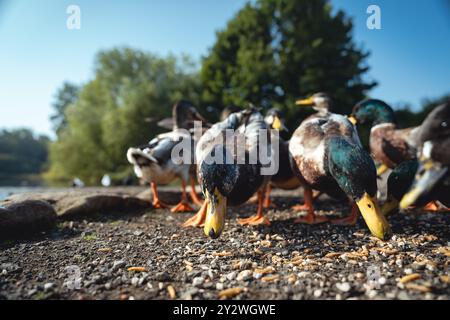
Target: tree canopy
(276, 51)
(270, 53)
(114, 111)
(22, 156)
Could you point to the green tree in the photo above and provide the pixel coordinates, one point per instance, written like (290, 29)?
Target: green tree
(23, 156)
(65, 96)
(276, 51)
(112, 112)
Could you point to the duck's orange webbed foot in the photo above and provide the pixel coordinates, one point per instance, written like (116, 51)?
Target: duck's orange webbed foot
(432, 206)
(183, 206)
(311, 218)
(301, 207)
(258, 218)
(254, 220)
(157, 203)
(198, 220)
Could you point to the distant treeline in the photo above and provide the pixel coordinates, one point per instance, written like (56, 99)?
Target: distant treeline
(23, 157)
(270, 53)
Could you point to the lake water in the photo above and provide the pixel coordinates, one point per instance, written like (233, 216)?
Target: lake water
(7, 191)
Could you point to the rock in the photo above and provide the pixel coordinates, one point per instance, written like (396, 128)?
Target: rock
(231, 276)
(86, 201)
(219, 286)
(317, 293)
(10, 267)
(244, 275)
(135, 281)
(48, 286)
(31, 292)
(198, 281)
(162, 277)
(118, 264)
(19, 219)
(344, 286)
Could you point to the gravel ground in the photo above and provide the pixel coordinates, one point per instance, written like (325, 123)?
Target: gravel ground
(89, 258)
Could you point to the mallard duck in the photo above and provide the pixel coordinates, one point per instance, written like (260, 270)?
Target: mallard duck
(328, 156)
(229, 109)
(389, 145)
(432, 181)
(322, 103)
(398, 183)
(153, 161)
(225, 172)
(284, 178)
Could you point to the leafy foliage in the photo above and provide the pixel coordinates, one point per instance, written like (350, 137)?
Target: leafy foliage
(21, 155)
(276, 51)
(65, 96)
(113, 110)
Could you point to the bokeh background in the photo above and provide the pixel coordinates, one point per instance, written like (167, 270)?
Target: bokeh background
(73, 101)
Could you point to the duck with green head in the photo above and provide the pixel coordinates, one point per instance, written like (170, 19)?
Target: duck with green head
(226, 174)
(328, 156)
(432, 180)
(389, 145)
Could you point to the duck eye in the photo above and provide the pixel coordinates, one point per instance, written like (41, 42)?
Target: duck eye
(369, 205)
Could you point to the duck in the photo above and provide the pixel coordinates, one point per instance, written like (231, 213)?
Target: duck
(229, 109)
(153, 161)
(328, 156)
(322, 103)
(398, 183)
(284, 178)
(432, 180)
(389, 145)
(226, 175)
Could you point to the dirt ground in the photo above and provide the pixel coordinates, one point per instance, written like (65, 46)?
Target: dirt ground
(90, 257)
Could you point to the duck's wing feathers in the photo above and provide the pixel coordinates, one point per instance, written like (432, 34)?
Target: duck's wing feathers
(162, 146)
(400, 145)
(308, 145)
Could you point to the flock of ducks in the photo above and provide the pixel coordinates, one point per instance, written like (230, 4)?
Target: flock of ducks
(324, 155)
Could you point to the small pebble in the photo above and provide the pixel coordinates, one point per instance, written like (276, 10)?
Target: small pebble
(48, 286)
(344, 286)
(198, 281)
(118, 264)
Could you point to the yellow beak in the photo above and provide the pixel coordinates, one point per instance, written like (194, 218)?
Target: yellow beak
(215, 214)
(305, 102)
(353, 120)
(410, 198)
(382, 169)
(429, 173)
(373, 217)
(276, 123)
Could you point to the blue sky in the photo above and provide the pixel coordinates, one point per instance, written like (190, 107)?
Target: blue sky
(410, 55)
